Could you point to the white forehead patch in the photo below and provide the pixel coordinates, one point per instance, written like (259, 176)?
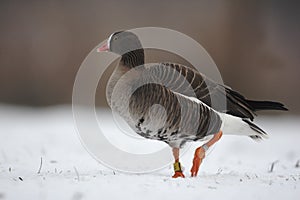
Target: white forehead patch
(108, 41)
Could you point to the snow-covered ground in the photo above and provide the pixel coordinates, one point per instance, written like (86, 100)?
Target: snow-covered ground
(237, 168)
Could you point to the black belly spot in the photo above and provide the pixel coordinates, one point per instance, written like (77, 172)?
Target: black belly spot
(174, 133)
(138, 127)
(142, 120)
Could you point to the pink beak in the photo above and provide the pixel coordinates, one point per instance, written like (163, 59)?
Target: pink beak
(103, 48)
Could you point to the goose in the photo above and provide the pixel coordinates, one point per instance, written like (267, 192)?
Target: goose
(184, 117)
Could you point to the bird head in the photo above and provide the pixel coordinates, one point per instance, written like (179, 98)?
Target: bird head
(127, 45)
(121, 42)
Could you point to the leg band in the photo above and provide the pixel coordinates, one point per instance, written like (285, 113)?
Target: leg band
(177, 167)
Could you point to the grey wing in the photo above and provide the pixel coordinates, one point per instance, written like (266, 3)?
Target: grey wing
(165, 115)
(180, 78)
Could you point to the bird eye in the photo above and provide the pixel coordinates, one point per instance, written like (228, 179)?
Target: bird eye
(115, 38)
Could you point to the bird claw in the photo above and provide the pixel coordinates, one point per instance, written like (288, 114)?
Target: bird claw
(198, 157)
(178, 174)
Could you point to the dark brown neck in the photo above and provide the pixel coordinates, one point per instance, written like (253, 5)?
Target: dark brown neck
(133, 58)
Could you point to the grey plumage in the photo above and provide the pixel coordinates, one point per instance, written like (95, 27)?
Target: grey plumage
(173, 103)
(184, 119)
(154, 111)
(206, 90)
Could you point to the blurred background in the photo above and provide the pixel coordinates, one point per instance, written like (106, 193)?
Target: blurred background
(255, 44)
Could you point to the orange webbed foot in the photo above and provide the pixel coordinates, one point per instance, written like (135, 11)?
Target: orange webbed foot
(178, 174)
(198, 157)
(178, 170)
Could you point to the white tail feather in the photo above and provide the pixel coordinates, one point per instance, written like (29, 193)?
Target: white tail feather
(232, 125)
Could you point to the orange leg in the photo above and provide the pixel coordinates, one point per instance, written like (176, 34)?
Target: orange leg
(177, 166)
(200, 153)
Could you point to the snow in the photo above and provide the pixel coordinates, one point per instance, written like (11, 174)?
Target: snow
(236, 168)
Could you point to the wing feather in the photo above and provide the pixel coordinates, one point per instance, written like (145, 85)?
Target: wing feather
(176, 77)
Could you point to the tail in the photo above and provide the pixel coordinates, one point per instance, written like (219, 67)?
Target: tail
(266, 105)
(239, 106)
(236, 126)
(261, 133)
